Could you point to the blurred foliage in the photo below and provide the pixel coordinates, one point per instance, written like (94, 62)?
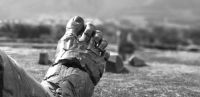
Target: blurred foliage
(49, 31)
(31, 32)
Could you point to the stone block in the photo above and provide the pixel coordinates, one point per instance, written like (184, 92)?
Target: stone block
(114, 64)
(135, 61)
(44, 59)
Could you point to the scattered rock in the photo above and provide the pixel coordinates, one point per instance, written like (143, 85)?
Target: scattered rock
(135, 61)
(114, 64)
(44, 59)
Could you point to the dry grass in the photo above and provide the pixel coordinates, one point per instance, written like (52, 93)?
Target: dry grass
(168, 74)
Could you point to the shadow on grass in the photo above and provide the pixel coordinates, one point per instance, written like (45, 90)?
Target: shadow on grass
(123, 71)
(174, 57)
(175, 61)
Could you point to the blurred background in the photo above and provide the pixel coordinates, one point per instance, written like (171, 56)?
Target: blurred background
(163, 24)
(154, 44)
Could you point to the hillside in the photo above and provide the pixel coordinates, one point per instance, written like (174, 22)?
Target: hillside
(179, 11)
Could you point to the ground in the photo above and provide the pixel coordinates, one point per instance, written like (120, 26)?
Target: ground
(168, 73)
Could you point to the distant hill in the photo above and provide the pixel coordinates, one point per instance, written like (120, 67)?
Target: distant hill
(178, 11)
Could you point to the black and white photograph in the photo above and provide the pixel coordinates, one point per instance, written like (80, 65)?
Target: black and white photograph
(99, 48)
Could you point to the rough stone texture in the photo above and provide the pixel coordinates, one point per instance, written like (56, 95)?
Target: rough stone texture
(44, 59)
(114, 64)
(135, 61)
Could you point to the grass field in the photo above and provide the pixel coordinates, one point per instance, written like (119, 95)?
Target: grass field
(168, 74)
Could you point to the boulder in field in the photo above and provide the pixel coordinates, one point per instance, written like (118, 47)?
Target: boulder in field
(135, 61)
(114, 64)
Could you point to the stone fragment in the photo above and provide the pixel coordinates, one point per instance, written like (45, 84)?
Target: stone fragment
(114, 64)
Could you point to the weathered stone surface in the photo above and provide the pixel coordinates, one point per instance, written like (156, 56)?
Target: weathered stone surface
(135, 61)
(114, 64)
(44, 58)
